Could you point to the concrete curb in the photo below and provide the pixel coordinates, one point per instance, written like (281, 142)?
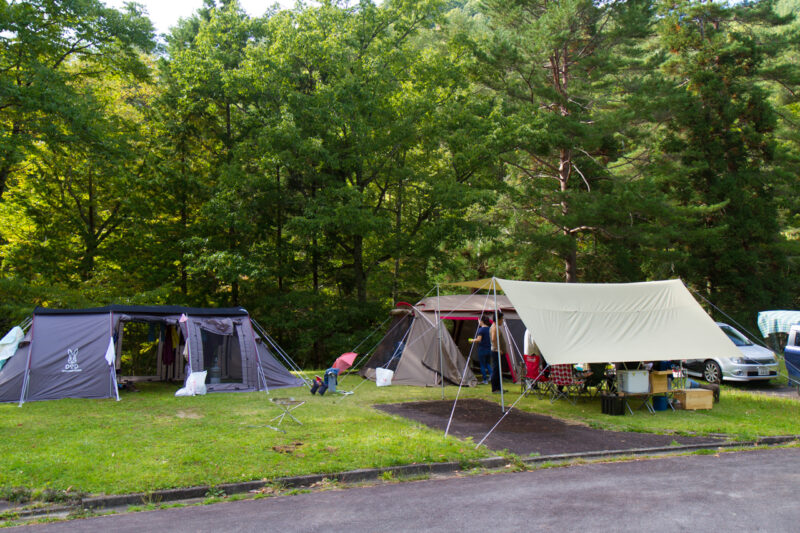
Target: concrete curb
(765, 441)
(350, 476)
(372, 474)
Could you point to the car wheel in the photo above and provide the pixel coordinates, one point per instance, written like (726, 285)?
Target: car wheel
(712, 372)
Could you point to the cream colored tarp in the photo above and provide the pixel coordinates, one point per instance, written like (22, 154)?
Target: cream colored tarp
(616, 322)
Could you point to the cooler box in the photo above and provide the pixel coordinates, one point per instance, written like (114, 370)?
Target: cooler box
(633, 381)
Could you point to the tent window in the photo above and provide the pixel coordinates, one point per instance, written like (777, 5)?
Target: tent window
(221, 357)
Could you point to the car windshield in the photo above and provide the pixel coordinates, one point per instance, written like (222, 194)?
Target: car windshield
(737, 338)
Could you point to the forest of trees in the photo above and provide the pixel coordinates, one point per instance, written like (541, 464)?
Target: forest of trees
(317, 164)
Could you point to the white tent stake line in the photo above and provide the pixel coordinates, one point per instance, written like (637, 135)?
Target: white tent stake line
(463, 373)
(521, 396)
(372, 333)
(367, 354)
(386, 365)
(283, 355)
(262, 378)
(430, 324)
(758, 341)
(361, 360)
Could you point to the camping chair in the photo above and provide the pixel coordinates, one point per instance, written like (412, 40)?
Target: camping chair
(564, 385)
(597, 380)
(535, 379)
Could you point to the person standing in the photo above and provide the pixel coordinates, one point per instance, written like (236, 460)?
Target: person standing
(484, 348)
(498, 346)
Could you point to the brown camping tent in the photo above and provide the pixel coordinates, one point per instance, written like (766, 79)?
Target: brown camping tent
(411, 347)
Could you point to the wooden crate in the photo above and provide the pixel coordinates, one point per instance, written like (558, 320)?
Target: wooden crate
(659, 381)
(694, 398)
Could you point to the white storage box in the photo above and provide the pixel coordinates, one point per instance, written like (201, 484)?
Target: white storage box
(633, 381)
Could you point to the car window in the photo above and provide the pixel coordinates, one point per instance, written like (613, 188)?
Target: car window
(737, 338)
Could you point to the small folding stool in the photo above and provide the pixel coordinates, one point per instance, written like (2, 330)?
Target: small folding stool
(287, 405)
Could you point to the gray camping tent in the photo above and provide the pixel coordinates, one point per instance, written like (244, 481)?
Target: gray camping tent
(70, 353)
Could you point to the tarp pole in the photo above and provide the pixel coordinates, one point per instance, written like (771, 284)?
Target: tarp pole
(112, 366)
(499, 355)
(439, 332)
(25, 380)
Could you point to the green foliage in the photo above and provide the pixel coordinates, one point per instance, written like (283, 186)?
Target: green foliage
(317, 164)
(556, 66)
(718, 165)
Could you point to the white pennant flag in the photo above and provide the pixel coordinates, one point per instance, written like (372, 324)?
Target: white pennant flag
(111, 354)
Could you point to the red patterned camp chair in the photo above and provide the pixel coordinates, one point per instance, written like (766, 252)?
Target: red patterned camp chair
(564, 385)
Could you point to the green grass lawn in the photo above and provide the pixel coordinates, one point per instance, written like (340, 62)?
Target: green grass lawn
(152, 440)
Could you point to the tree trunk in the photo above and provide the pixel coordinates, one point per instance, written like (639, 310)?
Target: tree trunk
(360, 277)
(184, 212)
(8, 162)
(571, 256)
(90, 237)
(279, 227)
(315, 253)
(398, 219)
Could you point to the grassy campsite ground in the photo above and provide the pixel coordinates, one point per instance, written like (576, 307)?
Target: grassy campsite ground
(152, 440)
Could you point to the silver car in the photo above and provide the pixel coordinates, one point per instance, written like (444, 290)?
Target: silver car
(755, 364)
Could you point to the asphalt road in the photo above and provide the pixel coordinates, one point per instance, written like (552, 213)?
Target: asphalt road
(738, 491)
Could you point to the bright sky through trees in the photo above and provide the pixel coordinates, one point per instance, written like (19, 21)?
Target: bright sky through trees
(165, 14)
